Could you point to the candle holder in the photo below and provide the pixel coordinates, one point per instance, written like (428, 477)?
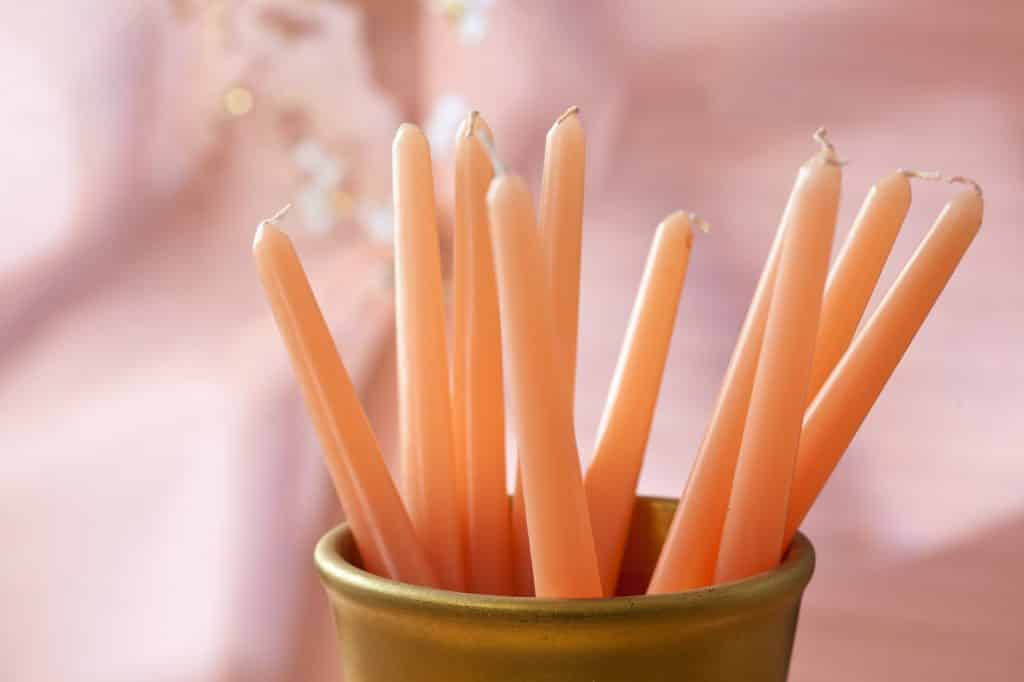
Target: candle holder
(396, 632)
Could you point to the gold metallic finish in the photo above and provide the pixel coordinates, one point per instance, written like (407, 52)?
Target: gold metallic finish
(395, 632)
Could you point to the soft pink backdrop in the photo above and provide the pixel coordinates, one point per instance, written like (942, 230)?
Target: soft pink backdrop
(161, 489)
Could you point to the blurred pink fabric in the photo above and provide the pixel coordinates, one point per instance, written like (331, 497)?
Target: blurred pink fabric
(162, 490)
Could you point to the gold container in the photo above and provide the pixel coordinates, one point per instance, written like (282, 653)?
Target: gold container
(395, 632)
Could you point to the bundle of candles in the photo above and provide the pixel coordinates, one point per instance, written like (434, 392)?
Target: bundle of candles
(801, 380)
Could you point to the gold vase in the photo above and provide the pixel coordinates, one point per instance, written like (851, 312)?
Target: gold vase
(395, 632)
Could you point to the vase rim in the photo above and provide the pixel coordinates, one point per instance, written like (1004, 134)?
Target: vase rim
(341, 576)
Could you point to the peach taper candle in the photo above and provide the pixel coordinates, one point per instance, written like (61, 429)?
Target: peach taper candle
(843, 403)
(856, 271)
(610, 480)
(755, 521)
(477, 389)
(561, 543)
(688, 557)
(522, 566)
(383, 532)
(561, 227)
(560, 221)
(424, 401)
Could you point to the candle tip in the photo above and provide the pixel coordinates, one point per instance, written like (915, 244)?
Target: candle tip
(960, 179)
(488, 144)
(272, 220)
(932, 176)
(821, 137)
(936, 176)
(409, 133)
(571, 111)
(281, 213)
(698, 222)
(474, 116)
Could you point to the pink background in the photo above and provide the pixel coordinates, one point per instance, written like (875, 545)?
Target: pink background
(161, 488)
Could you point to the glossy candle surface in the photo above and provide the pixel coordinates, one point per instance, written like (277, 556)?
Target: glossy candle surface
(382, 529)
(561, 227)
(856, 271)
(755, 521)
(560, 220)
(424, 402)
(477, 383)
(842, 405)
(691, 546)
(611, 479)
(561, 542)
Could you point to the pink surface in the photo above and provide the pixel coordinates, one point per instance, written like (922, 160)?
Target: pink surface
(161, 498)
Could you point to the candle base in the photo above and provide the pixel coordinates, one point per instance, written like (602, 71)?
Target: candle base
(390, 631)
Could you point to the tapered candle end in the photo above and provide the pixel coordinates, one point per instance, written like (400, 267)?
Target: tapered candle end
(896, 187)
(503, 186)
(508, 195)
(939, 177)
(571, 112)
(699, 222)
(408, 129)
(468, 125)
(474, 126)
(968, 181)
(920, 174)
(679, 225)
(272, 220)
(828, 150)
(258, 237)
(567, 127)
(969, 204)
(409, 134)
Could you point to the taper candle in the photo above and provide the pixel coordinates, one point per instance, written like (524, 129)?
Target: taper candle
(561, 542)
(690, 552)
(611, 479)
(560, 220)
(856, 271)
(477, 389)
(383, 532)
(561, 228)
(755, 521)
(424, 401)
(843, 403)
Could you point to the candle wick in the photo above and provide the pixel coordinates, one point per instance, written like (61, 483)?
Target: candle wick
(936, 176)
(488, 145)
(821, 137)
(274, 219)
(571, 111)
(968, 181)
(474, 116)
(932, 176)
(698, 222)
